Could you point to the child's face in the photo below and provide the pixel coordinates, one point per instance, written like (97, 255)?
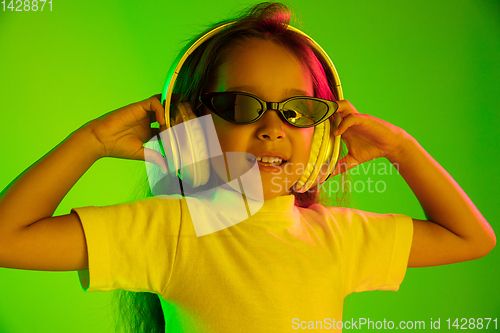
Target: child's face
(270, 72)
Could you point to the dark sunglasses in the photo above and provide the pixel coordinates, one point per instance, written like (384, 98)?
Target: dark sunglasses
(243, 108)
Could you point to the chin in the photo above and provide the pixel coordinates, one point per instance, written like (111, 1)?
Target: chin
(276, 185)
(274, 191)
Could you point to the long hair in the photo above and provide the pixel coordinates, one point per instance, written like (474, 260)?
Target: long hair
(139, 311)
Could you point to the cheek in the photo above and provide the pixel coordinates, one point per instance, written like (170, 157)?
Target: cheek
(224, 133)
(231, 137)
(304, 142)
(220, 126)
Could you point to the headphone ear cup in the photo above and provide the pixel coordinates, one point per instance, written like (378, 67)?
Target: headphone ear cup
(317, 146)
(191, 147)
(333, 153)
(325, 150)
(323, 157)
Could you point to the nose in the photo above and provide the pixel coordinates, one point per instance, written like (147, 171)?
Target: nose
(270, 126)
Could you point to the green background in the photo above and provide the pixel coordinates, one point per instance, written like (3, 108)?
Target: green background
(429, 67)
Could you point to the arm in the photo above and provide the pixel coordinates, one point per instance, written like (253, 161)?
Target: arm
(458, 231)
(455, 231)
(27, 229)
(30, 238)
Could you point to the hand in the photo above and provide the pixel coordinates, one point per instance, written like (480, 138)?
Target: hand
(121, 133)
(366, 137)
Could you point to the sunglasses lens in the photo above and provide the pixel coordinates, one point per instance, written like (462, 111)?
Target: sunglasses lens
(304, 112)
(237, 108)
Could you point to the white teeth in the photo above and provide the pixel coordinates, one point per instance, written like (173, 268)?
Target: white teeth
(270, 160)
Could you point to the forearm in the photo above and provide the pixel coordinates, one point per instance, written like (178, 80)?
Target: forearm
(36, 193)
(442, 199)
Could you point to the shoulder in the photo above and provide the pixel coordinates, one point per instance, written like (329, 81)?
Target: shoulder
(149, 209)
(352, 219)
(339, 213)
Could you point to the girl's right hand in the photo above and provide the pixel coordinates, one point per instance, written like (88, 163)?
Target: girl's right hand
(122, 132)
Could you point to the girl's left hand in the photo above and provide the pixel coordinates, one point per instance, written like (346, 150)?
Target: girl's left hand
(366, 137)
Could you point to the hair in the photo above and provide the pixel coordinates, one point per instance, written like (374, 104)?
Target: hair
(141, 311)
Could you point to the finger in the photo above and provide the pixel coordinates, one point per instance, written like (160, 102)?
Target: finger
(346, 108)
(348, 121)
(153, 104)
(160, 110)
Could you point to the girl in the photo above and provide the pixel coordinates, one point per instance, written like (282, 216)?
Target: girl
(284, 268)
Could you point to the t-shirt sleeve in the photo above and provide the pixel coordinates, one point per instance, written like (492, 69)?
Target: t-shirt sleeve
(375, 250)
(131, 246)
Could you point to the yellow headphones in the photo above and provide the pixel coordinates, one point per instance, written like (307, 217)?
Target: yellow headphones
(193, 164)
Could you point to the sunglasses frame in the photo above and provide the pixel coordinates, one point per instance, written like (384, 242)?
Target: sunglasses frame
(207, 100)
